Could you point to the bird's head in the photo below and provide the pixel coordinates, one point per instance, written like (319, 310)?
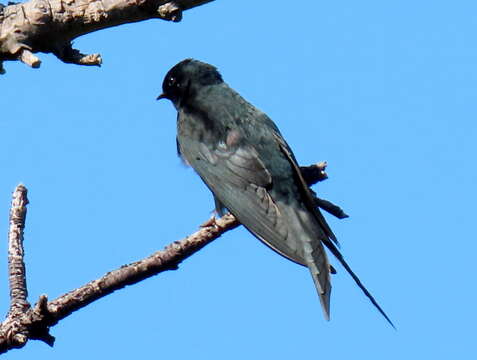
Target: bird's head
(184, 79)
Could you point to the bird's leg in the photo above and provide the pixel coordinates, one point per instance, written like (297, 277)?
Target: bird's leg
(211, 222)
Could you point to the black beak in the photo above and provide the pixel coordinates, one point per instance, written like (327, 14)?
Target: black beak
(162, 96)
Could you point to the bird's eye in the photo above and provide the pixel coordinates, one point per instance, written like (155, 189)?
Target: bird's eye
(173, 82)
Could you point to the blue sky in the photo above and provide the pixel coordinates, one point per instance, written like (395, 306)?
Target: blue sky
(385, 92)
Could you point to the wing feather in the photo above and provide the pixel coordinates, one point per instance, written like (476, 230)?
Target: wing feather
(241, 182)
(239, 174)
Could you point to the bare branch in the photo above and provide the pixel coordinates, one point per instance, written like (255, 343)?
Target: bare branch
(314, 173)
(16, 265)
(35, 323)
(15, 335)
(49, 26)
(24, 323)
(330, 208)
(27, 57)
(167, 259)
(170, 11)
(67, 54)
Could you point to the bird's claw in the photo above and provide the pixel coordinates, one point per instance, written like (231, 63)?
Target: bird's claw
(211, 222)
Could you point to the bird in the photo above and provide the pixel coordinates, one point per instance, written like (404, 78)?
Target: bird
(241, 156)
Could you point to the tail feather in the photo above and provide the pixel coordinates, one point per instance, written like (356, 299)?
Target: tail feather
(314, 254)
(358, 282)
(323, 293)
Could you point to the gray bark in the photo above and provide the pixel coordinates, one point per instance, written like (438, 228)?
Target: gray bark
(49, 26)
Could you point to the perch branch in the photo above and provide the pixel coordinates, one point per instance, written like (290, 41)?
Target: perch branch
(167, 259)
(50, 26)
(35, 322)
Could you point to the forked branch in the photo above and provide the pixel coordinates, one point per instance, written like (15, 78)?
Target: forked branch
(24, 322)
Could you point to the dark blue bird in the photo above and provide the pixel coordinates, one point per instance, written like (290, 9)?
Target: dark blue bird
(241, 156)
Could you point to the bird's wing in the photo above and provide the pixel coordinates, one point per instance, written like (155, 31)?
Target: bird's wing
(306, 193)
(241, 182)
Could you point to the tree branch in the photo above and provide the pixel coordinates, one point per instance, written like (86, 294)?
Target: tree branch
(314, 173)
(49, 26)
(34, 323)
(19, 305)
(16, 265)
(24, 322)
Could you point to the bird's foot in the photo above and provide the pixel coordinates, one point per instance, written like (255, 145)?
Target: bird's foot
(211, 222)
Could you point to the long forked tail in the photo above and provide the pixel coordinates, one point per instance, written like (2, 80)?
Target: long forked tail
(358, 282)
